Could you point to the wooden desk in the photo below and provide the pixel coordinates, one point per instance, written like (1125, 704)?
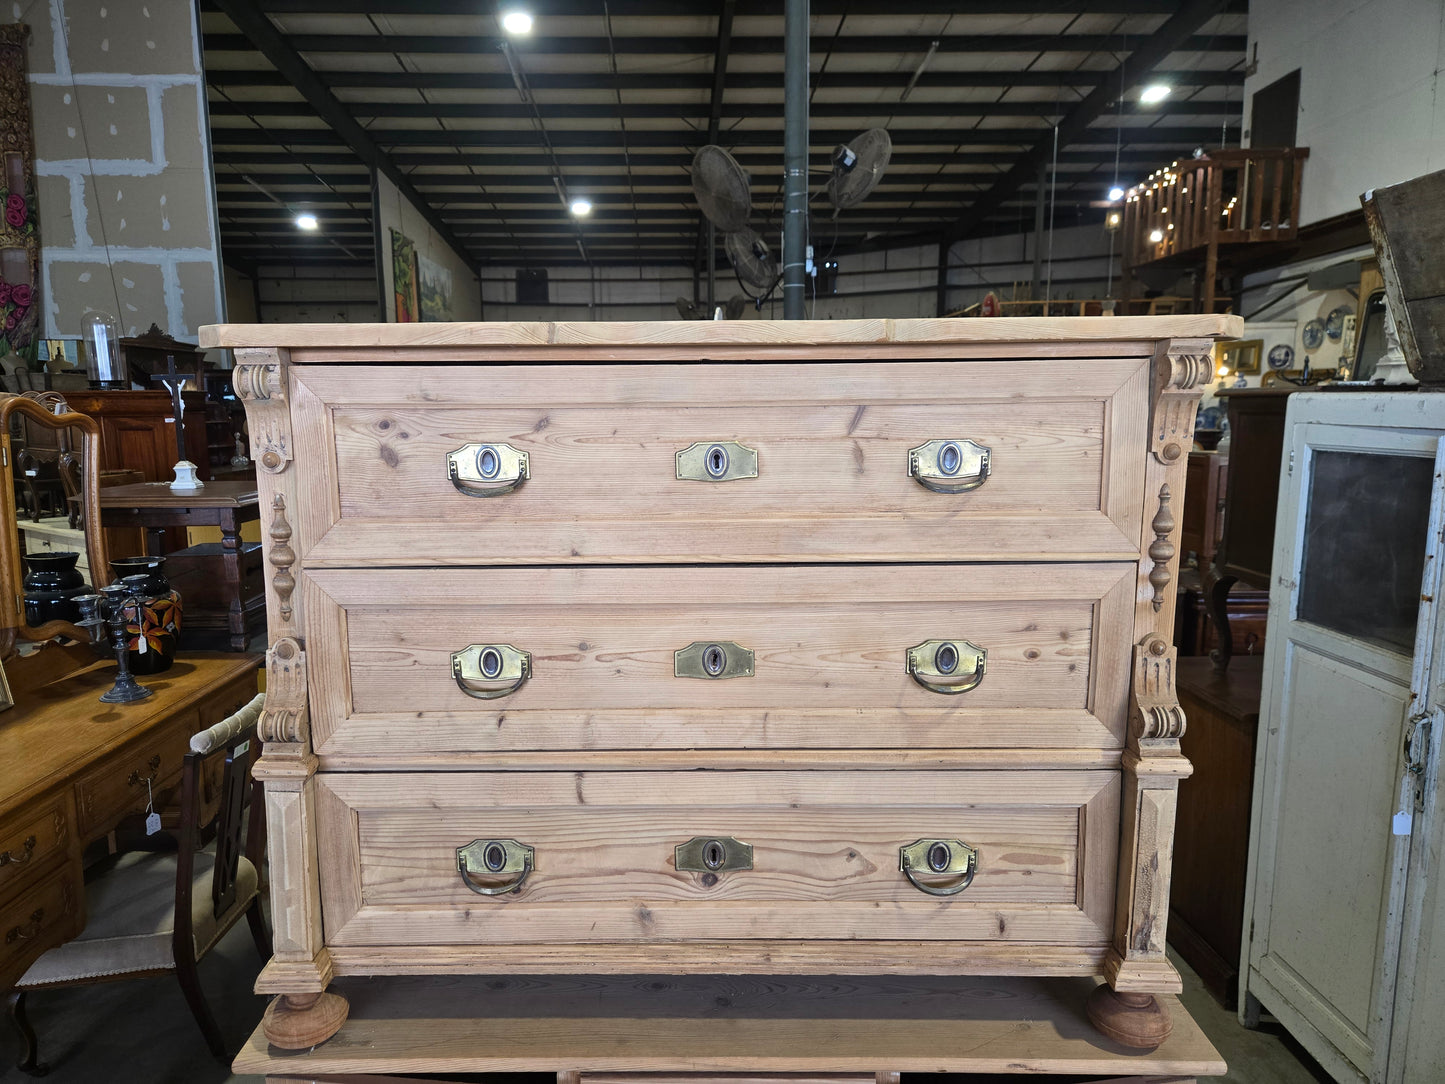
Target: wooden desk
(71, 768)
(442, 1026)
(220, 584)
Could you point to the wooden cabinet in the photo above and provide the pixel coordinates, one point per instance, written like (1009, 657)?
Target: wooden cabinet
(809, 648)
(1344, 876)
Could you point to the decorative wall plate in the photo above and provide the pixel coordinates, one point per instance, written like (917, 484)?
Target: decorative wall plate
(1314, 334)
(1335, 322)
(1281, 356)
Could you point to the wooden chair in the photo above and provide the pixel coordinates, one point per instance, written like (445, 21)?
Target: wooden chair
(150, 912)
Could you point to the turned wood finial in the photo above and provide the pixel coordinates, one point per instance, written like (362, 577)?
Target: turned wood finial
(1161, 550)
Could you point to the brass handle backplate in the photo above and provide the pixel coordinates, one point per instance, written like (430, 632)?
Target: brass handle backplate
(712, 854)
(10, 858)
(716, 461)
(490, 671)
(947, 666)
(495, 858)
(938, 858)
(28, 930)
(135, 778)
(715, 661)
(487, 470)
(949, 466)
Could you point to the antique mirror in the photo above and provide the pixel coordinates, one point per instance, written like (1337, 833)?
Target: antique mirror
(38, 409)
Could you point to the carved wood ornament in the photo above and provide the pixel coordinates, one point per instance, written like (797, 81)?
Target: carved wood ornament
(1161, 550)
(260, 382)
(282, 557)
(1172, 426)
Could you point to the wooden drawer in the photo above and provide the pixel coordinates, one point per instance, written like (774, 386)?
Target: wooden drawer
(43, 915)
(118, 787)
(1065, 438)
(829, 644)
(31, 837)
(825, 856)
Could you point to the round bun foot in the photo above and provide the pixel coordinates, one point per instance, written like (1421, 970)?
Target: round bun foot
(1134, 1020)
(301, 1021)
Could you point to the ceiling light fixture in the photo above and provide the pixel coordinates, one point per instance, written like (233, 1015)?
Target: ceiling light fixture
(1154, 93)
(517, 22)
(1116, 193)
(581, 207)
(305, 221)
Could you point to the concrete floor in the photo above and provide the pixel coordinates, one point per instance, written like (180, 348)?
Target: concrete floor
(140, 1030)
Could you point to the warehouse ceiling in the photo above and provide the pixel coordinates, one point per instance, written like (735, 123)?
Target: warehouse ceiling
(608, 100)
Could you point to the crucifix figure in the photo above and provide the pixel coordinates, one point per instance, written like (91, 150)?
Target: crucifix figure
(175, 383)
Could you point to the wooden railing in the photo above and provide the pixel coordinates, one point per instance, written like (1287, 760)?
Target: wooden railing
(1227, 197)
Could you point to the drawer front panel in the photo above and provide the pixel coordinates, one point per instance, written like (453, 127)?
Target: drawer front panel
(829, 647)
(825, 856)
(38, 918)
(118, 787)
(832, 478)
(31, 837)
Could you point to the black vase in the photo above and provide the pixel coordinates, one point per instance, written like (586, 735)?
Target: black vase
(50, 585)
(154, 630)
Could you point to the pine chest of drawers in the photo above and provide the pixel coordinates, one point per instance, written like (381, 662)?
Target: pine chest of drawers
(810, 648)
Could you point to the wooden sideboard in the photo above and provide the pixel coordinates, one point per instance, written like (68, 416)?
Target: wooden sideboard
(72, 768)
(832, 647)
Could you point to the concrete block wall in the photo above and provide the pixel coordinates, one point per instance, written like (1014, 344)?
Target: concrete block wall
(123, 166)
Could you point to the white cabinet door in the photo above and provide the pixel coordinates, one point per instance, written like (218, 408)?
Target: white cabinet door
(1327, 873)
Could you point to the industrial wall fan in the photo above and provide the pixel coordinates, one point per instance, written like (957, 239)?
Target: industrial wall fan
(724, 192)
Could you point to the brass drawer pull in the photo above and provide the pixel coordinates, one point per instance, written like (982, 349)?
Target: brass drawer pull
(938, 858)
(715, 661)
(487, 470)
(27, 931)
(495, 858)
(135, 778)
(934, 660)
(491, 663)
(712, 854)
(949, 466)
(716, 461)
(9, 858)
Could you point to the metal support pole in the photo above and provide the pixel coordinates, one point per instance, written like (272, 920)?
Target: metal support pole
(942, 305)
(795, 157)
(1036, 289)
(711, 270)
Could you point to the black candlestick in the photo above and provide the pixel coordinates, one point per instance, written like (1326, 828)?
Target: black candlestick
(106, 612)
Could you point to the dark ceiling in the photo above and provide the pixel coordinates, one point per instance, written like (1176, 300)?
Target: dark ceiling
(609, 99)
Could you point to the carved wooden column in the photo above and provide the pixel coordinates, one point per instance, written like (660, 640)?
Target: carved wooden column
(1126, 1009)
(303, 1012)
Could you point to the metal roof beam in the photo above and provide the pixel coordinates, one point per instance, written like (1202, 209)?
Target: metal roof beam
(1077, 124)
(673, 45)
(936, 80)
(554, 8)
(694, 110)
(821, 139)
(261, 34)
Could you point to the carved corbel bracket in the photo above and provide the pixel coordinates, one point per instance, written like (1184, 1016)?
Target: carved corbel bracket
(260, 380)
(1155, 714)
(1181, 371)
(284, 718)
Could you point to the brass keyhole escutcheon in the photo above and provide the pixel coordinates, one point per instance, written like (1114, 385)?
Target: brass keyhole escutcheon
(717, 461)
(930, 858)
(950, 458)
(495, 857)
(714, 855)
(487, 463)
(714, 660)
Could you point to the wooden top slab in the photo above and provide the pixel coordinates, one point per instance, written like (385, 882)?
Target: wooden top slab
(58, 727)
(703, 333)
(477, 1024)
(160, 495)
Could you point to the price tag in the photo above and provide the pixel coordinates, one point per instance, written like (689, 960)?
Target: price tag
(153, 819)
(1401, 822)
